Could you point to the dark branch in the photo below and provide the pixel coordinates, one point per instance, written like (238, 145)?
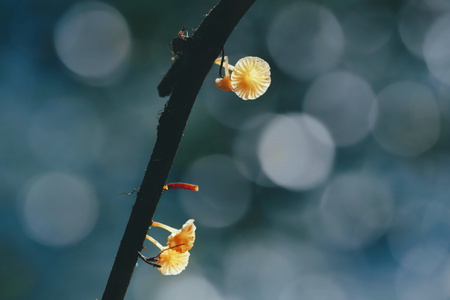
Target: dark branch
(171, 77)
(198, 57)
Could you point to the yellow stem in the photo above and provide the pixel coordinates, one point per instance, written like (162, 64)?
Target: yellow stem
(168, 228)
(154, 242)
(227, 66)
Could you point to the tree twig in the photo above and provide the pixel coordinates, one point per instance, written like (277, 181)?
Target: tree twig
(199, 53)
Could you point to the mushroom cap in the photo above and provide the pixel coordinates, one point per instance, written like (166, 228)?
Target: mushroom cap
(250, 78)
(224, 83)
(172, 262)
(184, 239)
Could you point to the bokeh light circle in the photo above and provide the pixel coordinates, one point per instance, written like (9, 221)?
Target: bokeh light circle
(305, 40)
(366, 31)
(66, 134)
(425, 259)
(59, 209)
(416, 239)
(406, 121)
(92, 39)
(342, 101)
(245, 147)
(409, 286)
(435, 49)
(296, 151)
(356, 209)
(413, 26)
(224, 195)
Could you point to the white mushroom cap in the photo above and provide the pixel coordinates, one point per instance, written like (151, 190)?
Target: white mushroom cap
(250, 78)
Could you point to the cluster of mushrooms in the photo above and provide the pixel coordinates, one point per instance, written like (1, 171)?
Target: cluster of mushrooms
(174, 257)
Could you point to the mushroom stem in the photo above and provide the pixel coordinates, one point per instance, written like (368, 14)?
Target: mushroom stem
(154, 242)
(228, 67)
(168, 228)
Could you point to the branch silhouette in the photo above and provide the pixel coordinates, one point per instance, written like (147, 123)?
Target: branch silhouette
(195, 57)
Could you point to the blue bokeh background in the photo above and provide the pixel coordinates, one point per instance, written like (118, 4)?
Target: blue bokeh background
(332, 185)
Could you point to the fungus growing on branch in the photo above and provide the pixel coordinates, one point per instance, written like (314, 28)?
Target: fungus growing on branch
(168, 261)
(250, 78)
(185, 237)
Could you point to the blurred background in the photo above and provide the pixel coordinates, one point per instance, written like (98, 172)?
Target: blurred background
(332, 185)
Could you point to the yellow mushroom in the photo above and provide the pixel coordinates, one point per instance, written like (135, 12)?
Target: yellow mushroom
(184, 237)
(224, 83)
(172, 262)
(249, 80)
(168, 261)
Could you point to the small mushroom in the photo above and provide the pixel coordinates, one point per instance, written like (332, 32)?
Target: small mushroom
(184, 237)
(224, 83)
(249, 80)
